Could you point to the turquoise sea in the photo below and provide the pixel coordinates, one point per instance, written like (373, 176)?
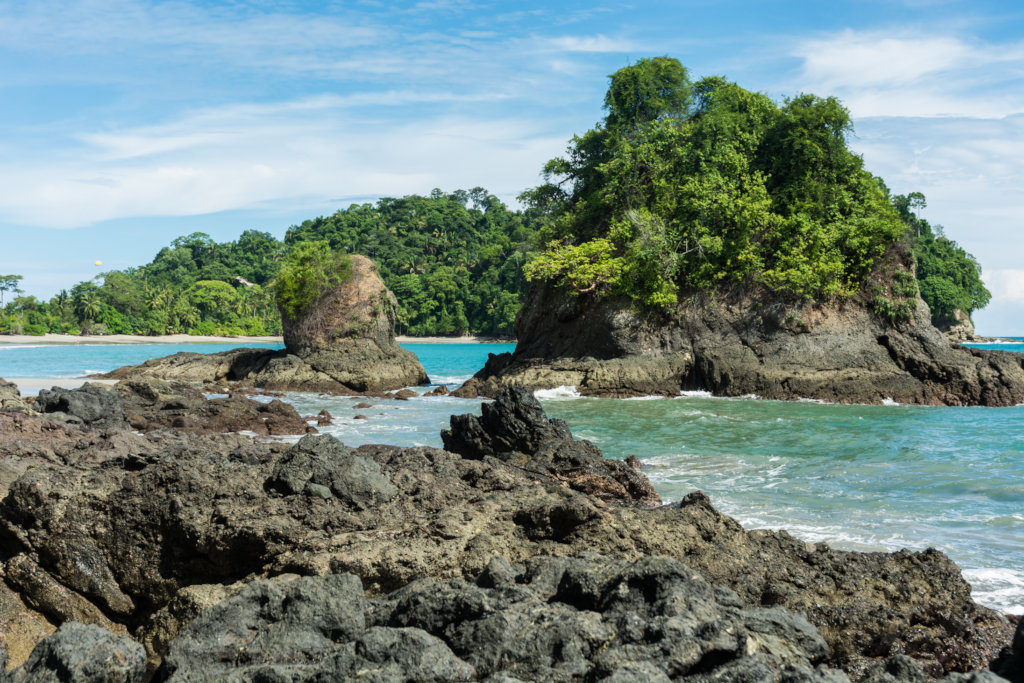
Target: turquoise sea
(858, 477)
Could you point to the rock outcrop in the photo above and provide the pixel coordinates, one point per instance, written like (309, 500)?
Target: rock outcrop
(344, 344)
(10, 398)
(841, 354)
(145, 534)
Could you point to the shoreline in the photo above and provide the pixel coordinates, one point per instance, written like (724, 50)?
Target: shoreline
(79, 340)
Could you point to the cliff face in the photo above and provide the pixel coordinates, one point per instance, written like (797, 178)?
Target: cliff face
(740, 347)
(344, 343)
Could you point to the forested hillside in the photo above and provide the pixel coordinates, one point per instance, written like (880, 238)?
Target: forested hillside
(684, 187)
(455, 262)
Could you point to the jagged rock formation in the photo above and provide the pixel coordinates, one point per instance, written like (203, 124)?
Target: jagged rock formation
(144, 534)
(842, 355)
(343, 344)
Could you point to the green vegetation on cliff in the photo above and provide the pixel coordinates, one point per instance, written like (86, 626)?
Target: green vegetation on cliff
(454, 261)
(705, 185)
(949, 278)
(308, 270)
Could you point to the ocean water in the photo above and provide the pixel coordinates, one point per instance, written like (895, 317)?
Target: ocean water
(858, 477)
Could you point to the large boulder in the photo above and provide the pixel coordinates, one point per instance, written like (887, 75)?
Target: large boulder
(343, 343)
(741, 346)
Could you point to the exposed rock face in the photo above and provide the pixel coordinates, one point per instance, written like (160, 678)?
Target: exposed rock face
(962, 330)
(514, 429)
(10, 398)
(344, 344)
(843, 355)
(91, 405)
(84, 654)
(144, 533)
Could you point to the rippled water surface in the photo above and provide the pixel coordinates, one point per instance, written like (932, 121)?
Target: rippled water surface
(858, 477)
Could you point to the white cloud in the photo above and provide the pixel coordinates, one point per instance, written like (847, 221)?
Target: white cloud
(598, 43)
(247, 156)
(879, 73)
(1006, 284)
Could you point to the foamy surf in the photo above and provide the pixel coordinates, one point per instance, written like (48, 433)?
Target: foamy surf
(562, 393)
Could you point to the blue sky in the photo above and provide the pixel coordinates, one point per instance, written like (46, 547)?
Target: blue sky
(126, 123)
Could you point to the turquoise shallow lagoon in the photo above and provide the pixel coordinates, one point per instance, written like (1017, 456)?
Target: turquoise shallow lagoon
(858, 477)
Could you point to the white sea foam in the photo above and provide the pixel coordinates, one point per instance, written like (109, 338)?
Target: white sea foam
(889, 402)
(699, 393)
(7, 347)
(644, 398)
(1002, 589)
(563, 392)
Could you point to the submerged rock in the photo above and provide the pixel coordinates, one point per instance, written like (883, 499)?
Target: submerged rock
(343, 344)
(841, 354)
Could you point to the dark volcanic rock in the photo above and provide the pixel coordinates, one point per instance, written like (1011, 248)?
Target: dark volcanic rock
(583, 618)
(326, 462)
(344, 344)
(91, 405)
(83, 654)
(144, 532)
(152, 404)
(734, 348)
(515, 429)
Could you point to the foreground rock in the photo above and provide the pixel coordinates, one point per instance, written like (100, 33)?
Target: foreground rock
(586, 618)
(841, 355)
(344, 344)
(148, 533)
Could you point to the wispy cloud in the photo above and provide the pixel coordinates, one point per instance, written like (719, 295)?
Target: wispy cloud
(1006, 283)
(880, 73)
(598, 43)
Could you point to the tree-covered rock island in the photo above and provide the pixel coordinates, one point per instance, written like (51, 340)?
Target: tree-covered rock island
(704, 237)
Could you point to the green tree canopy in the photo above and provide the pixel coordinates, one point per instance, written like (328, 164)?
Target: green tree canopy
(709, 185)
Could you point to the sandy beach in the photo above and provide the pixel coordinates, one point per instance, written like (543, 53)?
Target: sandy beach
(200, 339)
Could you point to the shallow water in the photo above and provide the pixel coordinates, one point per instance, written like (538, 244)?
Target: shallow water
(858, 477)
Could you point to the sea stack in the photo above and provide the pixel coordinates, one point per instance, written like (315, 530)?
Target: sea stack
(343, 342)
(745, 345)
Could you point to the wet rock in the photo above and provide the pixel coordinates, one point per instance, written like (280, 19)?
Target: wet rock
(515, 429)
(441, 390)
(91, 405)
(328, 463)
(86, 654)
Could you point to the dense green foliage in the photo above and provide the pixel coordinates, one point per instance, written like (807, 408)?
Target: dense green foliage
(307, 271)
(454, 261)
(704, 185)
(194, 286)
(949, 278)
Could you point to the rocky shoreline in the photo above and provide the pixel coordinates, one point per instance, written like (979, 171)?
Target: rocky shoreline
(745, 347)
(516, 553)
